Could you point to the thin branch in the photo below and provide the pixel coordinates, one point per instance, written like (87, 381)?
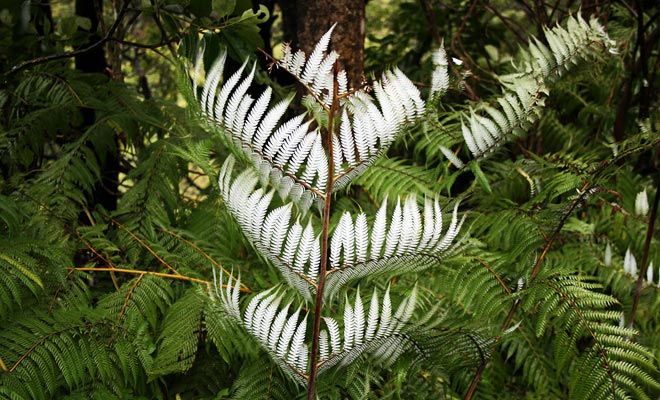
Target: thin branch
(492, 271)
(202, 252)
(146, 246)
(325, 243)
(128, 297)
(158, 274)
(645, 258)
(534, 274)
(60, 56)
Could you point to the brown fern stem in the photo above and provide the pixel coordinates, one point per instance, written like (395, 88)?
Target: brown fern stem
(146, 246)
(325, 244)
(533, 275)
(158, 274)
(645, 258)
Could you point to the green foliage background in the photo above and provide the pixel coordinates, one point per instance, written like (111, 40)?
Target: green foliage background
(104, 289)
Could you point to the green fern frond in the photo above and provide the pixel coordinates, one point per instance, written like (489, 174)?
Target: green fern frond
(50, 354)
(180, 334)
(609, 366)
(394, 177)
(486, 127)
(142, 300)
(258, 379)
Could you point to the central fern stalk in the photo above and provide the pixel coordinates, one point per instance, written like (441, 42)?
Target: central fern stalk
(325, 242)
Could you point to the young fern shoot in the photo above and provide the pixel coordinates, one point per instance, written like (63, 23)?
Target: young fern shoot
(306, 159)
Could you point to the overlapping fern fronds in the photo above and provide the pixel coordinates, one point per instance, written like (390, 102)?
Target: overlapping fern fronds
(290, 152)
(614, 366)
(487, 127)
(282, 333)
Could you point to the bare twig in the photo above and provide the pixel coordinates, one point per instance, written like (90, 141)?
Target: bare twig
(645, 258)
(534, 274)
(60, 56)
(325, 242)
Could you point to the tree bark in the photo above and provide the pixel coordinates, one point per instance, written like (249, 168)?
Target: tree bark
(305, 21)
(94, 61)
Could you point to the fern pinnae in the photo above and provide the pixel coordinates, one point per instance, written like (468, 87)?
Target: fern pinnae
(211, 85)
(349, 328)
(405, 310)
(225, 92)
(411, 227)
(385, 315)
(269, 122)
(358, 319)
(287, 334)
(248, 315)
(253, 119)
(335, 338)
(277, 326)
(394, 232)
(304, 248)
(238, 122)
(316, 170)
(440, 77)
(378, 231)
(291, 246)
(361, 238)
(315, 59)
(275, 142)
(372, 319)
(348, 239)
(197, 68)
(296, 348)
(264, 315)
(324, 345)
(389, 114)
(360, 129)
(323, 81)
(275, 228)
(230, 115)
(291, 144)
(346, 139)
(452, 231)
(412, 93)
(429, 226)
(315, 262)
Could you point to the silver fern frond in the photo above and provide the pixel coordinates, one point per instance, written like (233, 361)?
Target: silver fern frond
(368, 125)
(440, 77)
(412, 241)
(289, 152)
(278, 148)
(293, 249)
(379, 334)
(280, 334)
(485, 128)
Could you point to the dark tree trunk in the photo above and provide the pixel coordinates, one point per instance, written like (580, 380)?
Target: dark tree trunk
(94, 61)
(305, 21)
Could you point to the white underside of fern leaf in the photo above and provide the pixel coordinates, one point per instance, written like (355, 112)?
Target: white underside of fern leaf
(288, 151)
(486, 128)
(379, 332)
(292, 246)
(412, 241)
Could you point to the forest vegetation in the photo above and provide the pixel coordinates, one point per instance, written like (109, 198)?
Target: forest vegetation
(390, 199)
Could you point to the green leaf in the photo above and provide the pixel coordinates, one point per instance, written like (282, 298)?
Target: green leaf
(242, 33)
(224, 7)
(481, 178)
